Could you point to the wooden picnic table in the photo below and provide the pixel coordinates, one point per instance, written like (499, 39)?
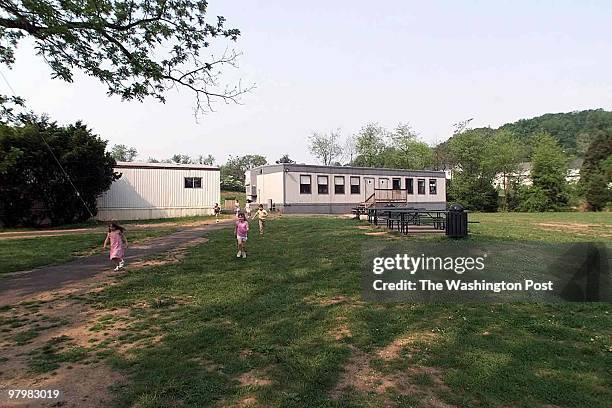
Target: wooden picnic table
(401, 218)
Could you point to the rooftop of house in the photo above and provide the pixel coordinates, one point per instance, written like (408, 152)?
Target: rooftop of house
(343, 169)
(175, 166)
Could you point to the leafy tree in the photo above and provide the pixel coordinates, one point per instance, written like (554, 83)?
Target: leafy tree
(598, 194)
(349, 150)
(472, 183)
(232, 172)
(573, 130)
(230, 183)
(137, 48)
(548, 174)
(505, 158)
(207, 160)
(474, 193)
(370, 145)
(285, 159)
(471, 151)
(325, 147)
(409, 152)
(181, 159)
(34, 189)
(596, 171)
(123, 153)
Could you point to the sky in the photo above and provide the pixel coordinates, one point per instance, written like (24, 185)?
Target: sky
(321, 66)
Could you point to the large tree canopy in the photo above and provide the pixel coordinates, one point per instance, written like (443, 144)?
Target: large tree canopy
(137, 48)
(34, 189)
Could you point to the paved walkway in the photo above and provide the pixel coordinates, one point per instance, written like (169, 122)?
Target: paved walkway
(21, 286)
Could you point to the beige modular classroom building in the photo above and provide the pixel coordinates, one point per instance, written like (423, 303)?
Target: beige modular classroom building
(300, 188)
(160, 190)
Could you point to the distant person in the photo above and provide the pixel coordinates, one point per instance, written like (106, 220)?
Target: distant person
(247, 208)
(118, 244)
(237, 209)
(217, 211)
(242, 232)
(262, 216)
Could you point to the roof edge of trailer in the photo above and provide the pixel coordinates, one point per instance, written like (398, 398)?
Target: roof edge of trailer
(164, 166)
(320, 167)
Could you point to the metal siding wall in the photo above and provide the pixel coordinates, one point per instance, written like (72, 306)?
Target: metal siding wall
(162, 189)
(293, 189)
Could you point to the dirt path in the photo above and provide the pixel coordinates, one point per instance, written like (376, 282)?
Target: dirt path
(50, 337)
(20, 286)
(101, 228)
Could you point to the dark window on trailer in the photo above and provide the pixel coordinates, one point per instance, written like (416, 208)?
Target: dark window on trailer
(421, 186)
(397, 183)
(322, 186)
(339, 185)
(355, 185)
(305, 184)
(193, 182)
(433, 186)
(410, 185)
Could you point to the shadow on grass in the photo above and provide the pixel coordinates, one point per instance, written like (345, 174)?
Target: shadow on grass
(258, 330)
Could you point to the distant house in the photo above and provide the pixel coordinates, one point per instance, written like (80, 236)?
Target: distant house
(300, 188)
(523, 175)
(160, 190)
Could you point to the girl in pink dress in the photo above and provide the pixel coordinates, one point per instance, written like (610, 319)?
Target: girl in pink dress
(118, 243)
(242, 231)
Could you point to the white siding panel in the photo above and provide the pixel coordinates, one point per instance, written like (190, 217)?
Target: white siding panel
(292, 194)
(270, 187)
(158, 193)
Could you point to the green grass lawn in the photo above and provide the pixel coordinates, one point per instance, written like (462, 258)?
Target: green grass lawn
(28, 253)
(287, 327)
(23, 254)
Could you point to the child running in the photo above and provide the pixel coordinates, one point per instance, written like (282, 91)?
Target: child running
(262, 215)
(247, 208)
(237, 209)
(242, 230)
(217, 211)
(118, 243)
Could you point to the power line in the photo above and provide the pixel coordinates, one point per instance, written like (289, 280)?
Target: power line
(76, 190)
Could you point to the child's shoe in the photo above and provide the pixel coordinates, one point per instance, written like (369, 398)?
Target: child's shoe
(238, 254)
(243, 254)
(116, 268)
(121, 264)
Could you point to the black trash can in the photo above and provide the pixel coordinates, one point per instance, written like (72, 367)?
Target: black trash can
(456, 221)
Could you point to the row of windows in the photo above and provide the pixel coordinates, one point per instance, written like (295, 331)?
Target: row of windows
(355, 184)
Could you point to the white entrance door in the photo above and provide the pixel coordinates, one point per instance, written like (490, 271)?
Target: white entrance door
(383, 183)
(368, 186)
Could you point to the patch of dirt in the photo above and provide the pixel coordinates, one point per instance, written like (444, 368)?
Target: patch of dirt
(101, 229)
(377, 233)
(173, 256)
(81, 386)
(577, 228)
(249, 401)
(342, 331)
(253, 378)
(62, 314)
(360, 376)
(393, 349)
(334, 300)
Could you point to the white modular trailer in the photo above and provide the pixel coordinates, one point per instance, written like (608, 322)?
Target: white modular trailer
(160, 190)
(300, 188)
